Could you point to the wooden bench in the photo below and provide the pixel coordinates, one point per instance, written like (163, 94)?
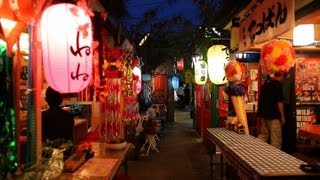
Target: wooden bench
(253, 159)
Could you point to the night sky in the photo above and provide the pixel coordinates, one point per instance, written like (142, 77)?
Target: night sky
(167, 9)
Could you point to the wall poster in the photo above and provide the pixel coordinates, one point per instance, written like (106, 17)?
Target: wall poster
(307, 80)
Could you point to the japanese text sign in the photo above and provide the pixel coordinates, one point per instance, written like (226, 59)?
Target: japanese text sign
(269, 20)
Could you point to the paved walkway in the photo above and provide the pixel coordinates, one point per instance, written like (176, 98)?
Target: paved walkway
(182, 155)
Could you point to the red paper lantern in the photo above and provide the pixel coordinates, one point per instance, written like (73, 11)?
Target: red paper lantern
(180, 64)
(66, 47)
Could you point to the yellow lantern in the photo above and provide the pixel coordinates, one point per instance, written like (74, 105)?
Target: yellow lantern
(218, 56)
(200, 72)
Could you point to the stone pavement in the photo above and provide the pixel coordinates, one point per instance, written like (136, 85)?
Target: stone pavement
(182, 155)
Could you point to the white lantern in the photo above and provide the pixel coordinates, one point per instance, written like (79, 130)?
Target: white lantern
(200, 72)
(218, 56)
(66, 47)
(137, 83)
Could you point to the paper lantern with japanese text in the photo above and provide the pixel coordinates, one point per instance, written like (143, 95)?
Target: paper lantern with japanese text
(137, 82)
(200, 72)
(175, 82)
(66, 35)
(218, 56)
(180, 64)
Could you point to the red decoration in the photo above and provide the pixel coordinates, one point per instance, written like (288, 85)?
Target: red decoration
(114, 58)
(135, 63)
(67, 52)
(180, 64)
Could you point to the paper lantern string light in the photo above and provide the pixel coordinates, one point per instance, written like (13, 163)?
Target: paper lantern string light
(277, 56)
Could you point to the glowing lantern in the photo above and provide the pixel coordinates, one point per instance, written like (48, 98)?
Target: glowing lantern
(175, 82)
(66, 47)
(303, 35)
(218, 56)
(14, 15)
(200, 72)
(137, 83)
(180, 64)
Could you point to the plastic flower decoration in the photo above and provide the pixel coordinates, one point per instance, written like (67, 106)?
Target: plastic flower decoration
(277, 56)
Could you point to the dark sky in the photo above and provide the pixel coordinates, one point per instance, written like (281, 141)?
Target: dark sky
(167, 9)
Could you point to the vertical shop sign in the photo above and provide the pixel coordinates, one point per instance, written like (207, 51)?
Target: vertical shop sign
(200, 72)
(269, 20)
(66, 47)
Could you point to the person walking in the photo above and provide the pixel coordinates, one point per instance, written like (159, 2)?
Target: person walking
(180, 95)
(271, 110)
(186, 93)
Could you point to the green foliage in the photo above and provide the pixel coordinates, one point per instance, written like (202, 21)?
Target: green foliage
(8, 151)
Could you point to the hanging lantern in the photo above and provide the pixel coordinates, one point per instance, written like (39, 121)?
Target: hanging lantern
(137, 82)
(218, 56)
(180, 64)
(200, 72)
(66, 47)
(175, 82)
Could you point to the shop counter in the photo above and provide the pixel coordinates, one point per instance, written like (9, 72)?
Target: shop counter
(252, 158)
(103, 165)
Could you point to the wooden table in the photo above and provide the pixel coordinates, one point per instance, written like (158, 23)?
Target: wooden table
(103, 165)
(253, 159)
(310, 132)
(122, 155)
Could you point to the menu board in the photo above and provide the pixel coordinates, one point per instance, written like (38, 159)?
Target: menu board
(307, 80)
